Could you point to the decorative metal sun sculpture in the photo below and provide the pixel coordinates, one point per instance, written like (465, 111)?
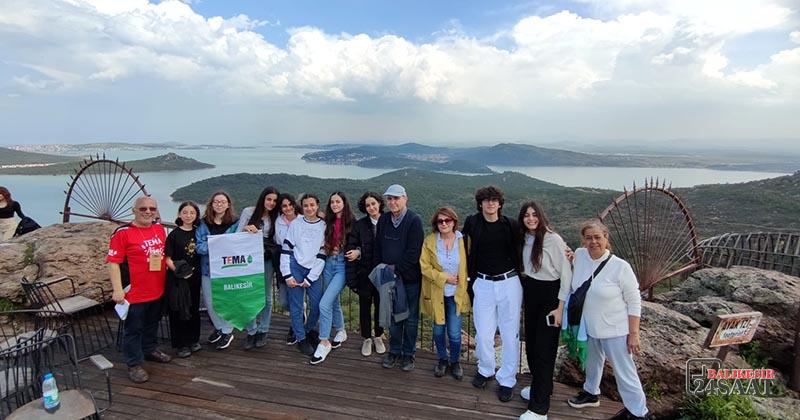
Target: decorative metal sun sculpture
(102, 189)
(652, 229)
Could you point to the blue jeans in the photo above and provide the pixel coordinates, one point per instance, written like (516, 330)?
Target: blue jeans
(296, 296)
(403, 334)
(139, 333)
(452, 323)
(330, 309)
(260, 324)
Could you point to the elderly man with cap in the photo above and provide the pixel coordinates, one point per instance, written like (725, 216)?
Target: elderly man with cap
(398, 242)
(141, 244)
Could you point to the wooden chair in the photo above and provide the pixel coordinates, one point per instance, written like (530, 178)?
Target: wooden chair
(24, 366)
(89, 326)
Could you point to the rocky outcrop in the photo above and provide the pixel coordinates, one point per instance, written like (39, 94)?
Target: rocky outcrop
(714, 291)
(77, 250)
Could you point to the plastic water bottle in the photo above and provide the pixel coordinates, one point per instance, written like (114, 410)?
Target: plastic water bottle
(50, 393)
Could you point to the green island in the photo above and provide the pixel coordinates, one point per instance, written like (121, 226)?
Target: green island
(769, 204)
(476, 160)
(162, 163)
(17, 157)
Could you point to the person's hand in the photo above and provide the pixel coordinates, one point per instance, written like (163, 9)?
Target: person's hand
(251, 229)
(633, 343)
(557, 315)
(305, 283)
(569, 253)
(291, 282)
(452, 279)
(352, 254)
(118, 296)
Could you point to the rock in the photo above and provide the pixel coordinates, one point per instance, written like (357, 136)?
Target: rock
(668, 340)
(714, 291)
(785, 408)
(76, 250)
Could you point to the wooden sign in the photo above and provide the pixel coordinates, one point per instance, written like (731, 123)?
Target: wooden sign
(733, 329)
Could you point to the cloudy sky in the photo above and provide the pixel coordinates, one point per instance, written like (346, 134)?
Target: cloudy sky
(446, 72)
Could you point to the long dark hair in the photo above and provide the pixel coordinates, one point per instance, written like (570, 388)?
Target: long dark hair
(258, 212)
(7, 195)
(196, 221)
(330, 220)
(230, 214)
(538, 234)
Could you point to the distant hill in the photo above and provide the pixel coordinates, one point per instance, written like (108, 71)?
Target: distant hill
(17, 157)
(101, 147)
(477, 159)
(167, 162)
(770, 204)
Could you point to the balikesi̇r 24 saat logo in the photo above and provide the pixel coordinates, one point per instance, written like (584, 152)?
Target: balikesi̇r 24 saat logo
(707, 376)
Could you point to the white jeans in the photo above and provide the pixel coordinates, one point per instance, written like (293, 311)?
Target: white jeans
(628, 384)
(497, 305)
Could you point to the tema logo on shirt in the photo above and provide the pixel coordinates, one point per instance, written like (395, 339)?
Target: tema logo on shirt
(236, 261)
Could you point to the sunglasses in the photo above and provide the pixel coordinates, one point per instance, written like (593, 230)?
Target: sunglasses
(444, 221)
(144, 209)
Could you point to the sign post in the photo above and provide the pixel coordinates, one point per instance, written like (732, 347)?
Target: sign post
(731, 329)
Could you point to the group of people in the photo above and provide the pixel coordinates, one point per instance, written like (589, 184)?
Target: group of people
(494, 265)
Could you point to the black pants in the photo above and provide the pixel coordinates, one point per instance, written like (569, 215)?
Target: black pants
(365, 303)
(541, 341)
(184, 333)
(139, 335)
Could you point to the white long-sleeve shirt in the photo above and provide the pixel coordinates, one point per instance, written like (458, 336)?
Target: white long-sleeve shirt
(555, 264)
(304, 241)
(612, 297)
(282, 228)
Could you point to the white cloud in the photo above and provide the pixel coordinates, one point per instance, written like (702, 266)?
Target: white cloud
(631, 52)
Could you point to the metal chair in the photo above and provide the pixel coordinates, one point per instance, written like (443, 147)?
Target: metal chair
(24, 366)
(89, 325)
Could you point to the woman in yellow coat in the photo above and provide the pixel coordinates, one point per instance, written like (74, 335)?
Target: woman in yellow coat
(444, 288)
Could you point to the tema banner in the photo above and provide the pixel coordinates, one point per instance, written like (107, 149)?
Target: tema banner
(237, 276)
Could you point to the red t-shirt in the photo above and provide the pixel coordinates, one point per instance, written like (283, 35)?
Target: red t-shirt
(136, 244)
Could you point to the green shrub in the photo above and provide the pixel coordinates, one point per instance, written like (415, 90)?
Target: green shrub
(754, 355)
(719, 407)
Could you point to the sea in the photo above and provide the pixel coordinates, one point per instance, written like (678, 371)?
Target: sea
(42, 196)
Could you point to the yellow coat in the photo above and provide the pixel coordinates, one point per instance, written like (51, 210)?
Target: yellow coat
(431, 300)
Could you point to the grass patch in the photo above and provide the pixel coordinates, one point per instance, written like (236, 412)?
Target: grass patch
(754, 355)
(719, 407)
(7, 305)
(27, 256)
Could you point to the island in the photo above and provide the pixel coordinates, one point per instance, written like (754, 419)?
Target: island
(162, 163)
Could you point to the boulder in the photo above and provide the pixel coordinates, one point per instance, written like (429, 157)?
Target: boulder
(785, 408)
(668, 340)
(713, 291)
(76, 250)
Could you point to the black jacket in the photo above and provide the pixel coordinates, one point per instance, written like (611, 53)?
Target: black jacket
(357, 272)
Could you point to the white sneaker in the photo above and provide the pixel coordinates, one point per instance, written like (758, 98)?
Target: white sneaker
(526, 393)
(530, 415)
(380, 348)
(366, 348)
(341, 337)
(321, 353)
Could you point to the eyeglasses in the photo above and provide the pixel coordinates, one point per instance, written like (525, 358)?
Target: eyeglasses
(219, 203)
(444, 221)
(144, 209)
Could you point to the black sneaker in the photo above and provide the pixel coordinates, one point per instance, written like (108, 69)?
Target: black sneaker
(504, 393)
(290, 338)
(313, 338)
(305, 347)
(261, 339)
(624, 414)
(225, 341)
(250, 342)
(456, 371)
(390, 361)
(441, 368)
(184, 352)
(584, 399)
(407, 364)
(214, 337)
(195, 347)
(480, 381)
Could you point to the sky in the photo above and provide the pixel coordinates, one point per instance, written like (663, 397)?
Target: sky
(723, 73)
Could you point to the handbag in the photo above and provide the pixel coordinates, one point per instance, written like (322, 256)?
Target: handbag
(26, 225)
(577, 298)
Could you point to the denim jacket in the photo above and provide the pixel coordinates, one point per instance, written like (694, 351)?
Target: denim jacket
(201, 239)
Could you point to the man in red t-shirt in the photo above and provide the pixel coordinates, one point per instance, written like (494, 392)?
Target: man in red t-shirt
(141, 243)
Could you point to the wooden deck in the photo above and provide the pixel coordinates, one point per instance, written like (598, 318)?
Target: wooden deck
(277, 382)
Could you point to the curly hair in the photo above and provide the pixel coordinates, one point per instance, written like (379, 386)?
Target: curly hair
(362, 202)
(488, 193)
